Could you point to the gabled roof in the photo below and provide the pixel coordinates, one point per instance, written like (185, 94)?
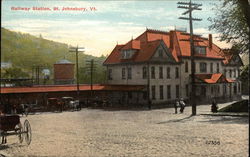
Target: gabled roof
(212, 78)
(147, 42)
(143, 54)
(230, 56)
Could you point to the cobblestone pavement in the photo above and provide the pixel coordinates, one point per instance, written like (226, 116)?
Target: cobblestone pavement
(158, 132)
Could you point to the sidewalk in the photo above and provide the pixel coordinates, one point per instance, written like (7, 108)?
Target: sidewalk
(243, 114)
(207, 111)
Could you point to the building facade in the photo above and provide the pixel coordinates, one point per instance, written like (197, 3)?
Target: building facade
(162, 62)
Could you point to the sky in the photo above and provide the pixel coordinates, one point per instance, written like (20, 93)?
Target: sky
(100, 25)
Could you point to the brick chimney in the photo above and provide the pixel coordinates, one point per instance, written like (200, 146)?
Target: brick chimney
(210, 41)
(171, 40)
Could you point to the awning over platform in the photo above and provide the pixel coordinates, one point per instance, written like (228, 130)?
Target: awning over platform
(68, 88)
(212, 78)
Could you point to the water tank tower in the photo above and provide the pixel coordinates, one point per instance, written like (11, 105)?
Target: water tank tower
(64, 72)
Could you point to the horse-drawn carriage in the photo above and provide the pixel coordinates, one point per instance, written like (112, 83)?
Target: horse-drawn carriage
(11, 125)
(65, 103)
(54, 104)
(70, 103)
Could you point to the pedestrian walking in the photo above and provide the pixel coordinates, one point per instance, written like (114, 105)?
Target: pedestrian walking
(149, 104)
(176, 105)
(182, 105)
(214, 107)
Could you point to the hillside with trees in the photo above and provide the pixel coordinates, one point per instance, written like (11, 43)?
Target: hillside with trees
(25, 51)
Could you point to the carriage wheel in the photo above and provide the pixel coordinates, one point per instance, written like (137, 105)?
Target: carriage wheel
(19, 130)
(27, 131)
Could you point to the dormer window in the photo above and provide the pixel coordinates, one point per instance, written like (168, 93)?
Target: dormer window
(200, 50)
(160, 53)
(126, 54)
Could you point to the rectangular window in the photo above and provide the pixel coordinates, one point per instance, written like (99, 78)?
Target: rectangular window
(169, 91)
(225, 72)
(160, 73)
(130, 95)
(153, 92)
(218, 68)
(129, 73)
(176, 72)
(211, 67)
(194, 67)
(144, 72)
(123, 73)
(203, 67)
(234, 72)
(161, 92)
(230, 73)
(203, 91)
(177, 91)
(224, 89)
(168, 72)
(153, 72)
(200, 50)
(235, 89)
(145, 95)
(186, 67)
(187, 90)
(160, 53)
(109, 74)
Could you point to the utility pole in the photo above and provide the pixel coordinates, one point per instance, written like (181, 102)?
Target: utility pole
(36, 69)
(91, 67)
(38, 77)
(76, 50)
(191, 7)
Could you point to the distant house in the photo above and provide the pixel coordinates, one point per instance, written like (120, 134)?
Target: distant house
(6, 65)
(161, 61)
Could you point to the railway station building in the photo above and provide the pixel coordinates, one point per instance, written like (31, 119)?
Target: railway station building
(161, 61)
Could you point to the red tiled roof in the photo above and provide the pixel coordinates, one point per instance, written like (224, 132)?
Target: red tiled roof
(144, 54)
(227, 59)
(115, 55)
(68, 88)
(213, 52)
(213, 78)
(230, 81)
(132, 44)
(171, 39)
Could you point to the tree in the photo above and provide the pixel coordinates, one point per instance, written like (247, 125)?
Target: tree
(14, 73)
(233, 21)
(245, 80)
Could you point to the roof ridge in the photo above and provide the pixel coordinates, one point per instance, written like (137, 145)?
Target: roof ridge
(157, 31)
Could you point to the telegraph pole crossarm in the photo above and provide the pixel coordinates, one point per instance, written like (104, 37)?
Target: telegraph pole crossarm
(191, 7)
(194, 19)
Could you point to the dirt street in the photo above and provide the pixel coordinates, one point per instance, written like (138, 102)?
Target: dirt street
(159, 132)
